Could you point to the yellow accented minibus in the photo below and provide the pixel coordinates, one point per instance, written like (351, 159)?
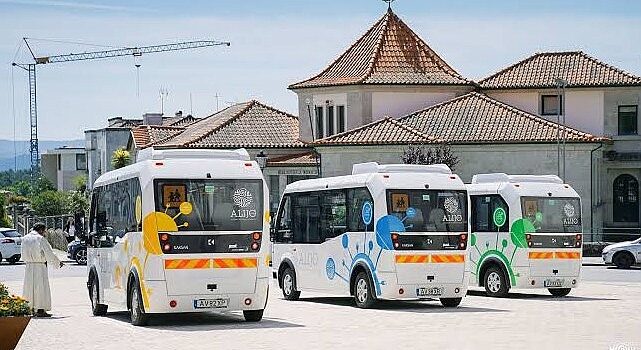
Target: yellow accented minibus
(384, 232)
(180, 231)
(526, 233)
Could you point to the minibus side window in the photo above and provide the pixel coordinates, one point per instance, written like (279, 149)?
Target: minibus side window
(356, 197)
(306, 217)
(333, 214)
(483, 209)
(284, 221)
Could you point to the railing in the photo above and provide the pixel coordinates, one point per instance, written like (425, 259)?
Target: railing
(613, 234)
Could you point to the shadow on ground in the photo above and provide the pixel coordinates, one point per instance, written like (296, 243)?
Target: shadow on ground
(403, 306)
(191, 322)
(542, 297)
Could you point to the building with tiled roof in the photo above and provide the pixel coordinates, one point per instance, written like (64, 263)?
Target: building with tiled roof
(542, 70)
(389, 63)
(473, 118)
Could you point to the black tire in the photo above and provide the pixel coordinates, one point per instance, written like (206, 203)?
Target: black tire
(495, 282)
(13, 260)
(136, 308)
(623, 260)
(364, 291)
(81, 256)
(559, 292)
(253, 315)
(97, 309)
(451, 302)
(288, 285)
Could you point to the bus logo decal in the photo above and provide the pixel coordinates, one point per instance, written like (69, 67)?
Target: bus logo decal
(242, 197)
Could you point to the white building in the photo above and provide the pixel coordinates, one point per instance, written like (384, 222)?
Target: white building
(62, 166)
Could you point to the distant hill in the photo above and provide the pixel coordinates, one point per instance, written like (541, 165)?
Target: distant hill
(22, 151)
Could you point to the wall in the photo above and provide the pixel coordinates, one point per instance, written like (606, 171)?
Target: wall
(511, 159)
(584, 108)
(397, 104)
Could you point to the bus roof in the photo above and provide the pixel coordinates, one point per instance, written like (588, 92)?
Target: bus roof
(186, 164)
(385, 176)
(374, 167)
(502, 177)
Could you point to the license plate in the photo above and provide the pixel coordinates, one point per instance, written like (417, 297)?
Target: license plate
(429, 292)
(553, 283)
(211, 303)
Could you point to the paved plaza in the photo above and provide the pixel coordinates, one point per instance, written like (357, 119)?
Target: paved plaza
(601, 314)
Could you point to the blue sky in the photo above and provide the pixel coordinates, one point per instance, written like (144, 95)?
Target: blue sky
(274, 43)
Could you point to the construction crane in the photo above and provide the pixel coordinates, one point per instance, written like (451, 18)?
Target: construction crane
(128, 51)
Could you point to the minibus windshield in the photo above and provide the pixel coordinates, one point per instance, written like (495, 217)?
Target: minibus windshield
(429, 210)
(553, 215)
(211, 205)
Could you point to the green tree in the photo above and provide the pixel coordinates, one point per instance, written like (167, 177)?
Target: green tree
(76, 202)
(441, 154)
(49, 203)
(80, 183)
(4, 219)
(120, 158)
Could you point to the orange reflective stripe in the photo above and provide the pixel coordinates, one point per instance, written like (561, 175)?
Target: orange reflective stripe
(567, 255)
(180, 264)
(411, 259)
(448, 258)
(540, 255)
(235, 263)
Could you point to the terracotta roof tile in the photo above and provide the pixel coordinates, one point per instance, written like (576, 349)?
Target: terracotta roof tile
(179, 120)
(250, 124)
(476, 118)
(386, 131)
(541, 70)
(147, 135)
(388, 53)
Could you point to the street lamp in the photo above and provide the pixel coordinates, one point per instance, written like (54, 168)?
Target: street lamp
(261, 159)
(560, 152)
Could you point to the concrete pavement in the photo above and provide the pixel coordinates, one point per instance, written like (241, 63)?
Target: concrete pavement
(598, 315)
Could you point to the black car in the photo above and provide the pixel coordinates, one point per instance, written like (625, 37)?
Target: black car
(77, 250)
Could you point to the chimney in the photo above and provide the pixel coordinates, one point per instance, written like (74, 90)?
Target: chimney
(152, 119)
(179, 114)
(114, 120)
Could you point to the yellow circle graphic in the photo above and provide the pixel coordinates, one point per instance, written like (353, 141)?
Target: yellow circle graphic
(138, 210)
(185, 208)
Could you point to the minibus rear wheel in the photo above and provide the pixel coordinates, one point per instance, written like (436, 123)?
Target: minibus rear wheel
(96, 308)
(253, 315)
(451, 302)
(495, 282)
(559, 292)
(289, 285)
(364, 291)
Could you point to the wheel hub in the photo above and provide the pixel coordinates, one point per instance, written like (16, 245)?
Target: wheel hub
(493, 282)
(361, 290)
(288, 284)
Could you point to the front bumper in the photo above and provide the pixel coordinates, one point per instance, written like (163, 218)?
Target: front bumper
(607, 258)
(159, 300)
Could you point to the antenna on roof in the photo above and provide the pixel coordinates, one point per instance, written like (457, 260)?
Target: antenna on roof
(389, 3)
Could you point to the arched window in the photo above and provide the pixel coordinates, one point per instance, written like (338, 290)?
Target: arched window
(626, 199)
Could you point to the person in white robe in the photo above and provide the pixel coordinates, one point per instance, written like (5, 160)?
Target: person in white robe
(37, 255)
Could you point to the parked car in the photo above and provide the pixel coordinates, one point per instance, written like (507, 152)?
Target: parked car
(623, 254)
(10, 245)
(77, 250)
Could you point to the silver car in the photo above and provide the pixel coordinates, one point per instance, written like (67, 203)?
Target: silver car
(10, 241)
(623, 254)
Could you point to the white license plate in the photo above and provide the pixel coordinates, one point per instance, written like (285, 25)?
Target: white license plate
(429, 292)
(211, 303)
(553, 283)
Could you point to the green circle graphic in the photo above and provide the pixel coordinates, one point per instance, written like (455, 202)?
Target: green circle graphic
(499, 217)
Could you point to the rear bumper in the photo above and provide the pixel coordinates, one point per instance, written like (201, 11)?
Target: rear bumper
(392, 290)
(159, 300)
(11, 251)
(539, 282)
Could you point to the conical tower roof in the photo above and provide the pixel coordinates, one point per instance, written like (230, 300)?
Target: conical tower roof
(389, 53)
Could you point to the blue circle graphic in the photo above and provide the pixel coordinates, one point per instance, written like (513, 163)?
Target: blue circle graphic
(330, 268)
(411, 212)
(345, 241)
(384, 228)
(367, 212)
